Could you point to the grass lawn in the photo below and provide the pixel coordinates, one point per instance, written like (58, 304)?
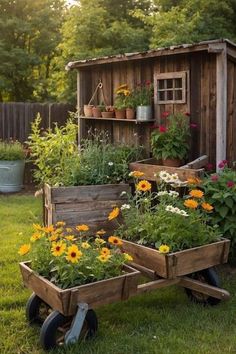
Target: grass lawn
(160, 322)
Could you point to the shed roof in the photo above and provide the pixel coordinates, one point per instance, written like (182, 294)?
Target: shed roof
(210, 46)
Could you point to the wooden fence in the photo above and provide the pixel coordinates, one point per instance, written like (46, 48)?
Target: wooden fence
(16, 119)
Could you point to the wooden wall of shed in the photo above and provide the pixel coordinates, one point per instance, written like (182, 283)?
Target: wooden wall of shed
(201, 97)
(231, 113)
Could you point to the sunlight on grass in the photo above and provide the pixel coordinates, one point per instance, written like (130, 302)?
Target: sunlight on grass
(160, 322)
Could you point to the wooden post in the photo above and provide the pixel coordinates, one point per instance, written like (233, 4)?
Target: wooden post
(221, 104)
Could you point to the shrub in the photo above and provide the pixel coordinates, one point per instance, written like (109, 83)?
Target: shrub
(11, 151)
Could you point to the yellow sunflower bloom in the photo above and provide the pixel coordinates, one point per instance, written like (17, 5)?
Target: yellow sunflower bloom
(98, 241)
(207, 206)
(164, 249)
(136, 174)
(70, 238)
(60, 223)
(143, 186)
(114, 213)
(100, 232)
(85, 245)
(190, 203)
(196, 193)
(73, 254)
(82, 227)
(68, 229)
(58, 248)
(105, 251)
(36, 236)
(53, 237)
(24, 249)
(37, 227)
(103, 258)
(48, 229)
(115, 241)
(128, 257)
(194, 180)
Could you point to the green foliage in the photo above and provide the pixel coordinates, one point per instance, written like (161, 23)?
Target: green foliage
(104, 163)
(221, 190)
(168, 222)
(11, 151)
(143, 94)
(171, 140)
(55, 153)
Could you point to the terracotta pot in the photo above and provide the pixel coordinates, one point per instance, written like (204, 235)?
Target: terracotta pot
(171, 162)
(88, 110)
(96, 112)
(108, 114)
(130, 113)
(120, 113)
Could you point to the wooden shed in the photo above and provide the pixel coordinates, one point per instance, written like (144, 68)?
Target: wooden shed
(206, 74)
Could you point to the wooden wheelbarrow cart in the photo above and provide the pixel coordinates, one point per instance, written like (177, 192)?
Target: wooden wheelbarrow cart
(68, 315)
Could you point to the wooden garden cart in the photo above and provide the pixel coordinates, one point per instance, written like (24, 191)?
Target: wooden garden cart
(67, 315)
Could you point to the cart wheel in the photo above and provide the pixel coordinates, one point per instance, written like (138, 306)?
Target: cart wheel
(36, 310)
(56, 325)
(210, 277)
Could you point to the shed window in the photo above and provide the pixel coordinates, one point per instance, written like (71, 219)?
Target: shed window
(170, 87)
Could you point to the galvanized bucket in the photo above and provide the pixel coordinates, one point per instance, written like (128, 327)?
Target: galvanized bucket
(11, 176)
(144, 113)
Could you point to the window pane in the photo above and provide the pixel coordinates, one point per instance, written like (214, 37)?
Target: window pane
(169, 83)
(178, 83)
(169, 95)
(178, 95)
(161, 96)
(160, 84)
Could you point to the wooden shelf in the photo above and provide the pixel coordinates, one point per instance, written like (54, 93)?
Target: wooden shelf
(119, 120)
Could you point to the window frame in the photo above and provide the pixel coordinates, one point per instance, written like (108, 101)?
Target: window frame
(170, 76)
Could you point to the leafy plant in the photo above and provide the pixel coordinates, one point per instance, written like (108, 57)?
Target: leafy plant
(172, 139)
(121, 93)
(55, 153)
(220, 188)
(143, 94)
(69, 258)
(172, 224)
(11, 151)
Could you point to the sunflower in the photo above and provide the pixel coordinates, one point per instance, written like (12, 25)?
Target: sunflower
(194, 180)
(24, 249)
(98, 241)
(128, 257)
(36, 236)
(37, 227)
(100, 232)
(70, 238)
(103, 258)
(48, 229)
(115, 241)
(196, 193)
(68, 229)
(73, 254)
(136, 174)
(114, 213)
(143, 186)
(85, 245)
(164, 249)
(53, 237)
(60, 223)
(207, 206)
(82, 227)
(105, 251)
(58, 248)
(190, 203)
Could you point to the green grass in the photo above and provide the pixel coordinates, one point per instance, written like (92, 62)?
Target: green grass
(160, 322)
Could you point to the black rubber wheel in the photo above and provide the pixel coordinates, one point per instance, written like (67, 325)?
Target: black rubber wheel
(36, 310)
(210, 277)
(56, 325)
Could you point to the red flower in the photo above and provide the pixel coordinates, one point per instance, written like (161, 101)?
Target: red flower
(230, 184)
(222, 163)
(187, 114)
(162, 129)
(154, 126)
(148, 82)
(209, 167)
(193, 125)
(165, 114)
(214, 178)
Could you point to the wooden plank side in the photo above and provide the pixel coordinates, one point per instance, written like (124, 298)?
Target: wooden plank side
(88, 206)
(231, 111)
(88, 193)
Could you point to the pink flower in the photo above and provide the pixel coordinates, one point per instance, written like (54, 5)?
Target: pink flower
(222, 163)
(214, 178)
(148, 82)
(209, 167)
(162, 129)
(187, 114)
(165, 114)
(230, 184)
(193, 125)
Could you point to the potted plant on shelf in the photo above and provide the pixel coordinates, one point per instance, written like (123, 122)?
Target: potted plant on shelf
(108, 112)
(167, 233)
(97, 110)
(12, 164)
(170, 141)
(143, 96)
(120, 101)
(130, 103)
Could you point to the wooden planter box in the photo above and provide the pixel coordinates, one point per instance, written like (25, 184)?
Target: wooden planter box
(179, 263)
(83, 204)
(94, 294)
(151, 166)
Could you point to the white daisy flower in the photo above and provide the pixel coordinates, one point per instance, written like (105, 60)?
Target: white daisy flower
(123, 193)
(125, 206)
(110, 163)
